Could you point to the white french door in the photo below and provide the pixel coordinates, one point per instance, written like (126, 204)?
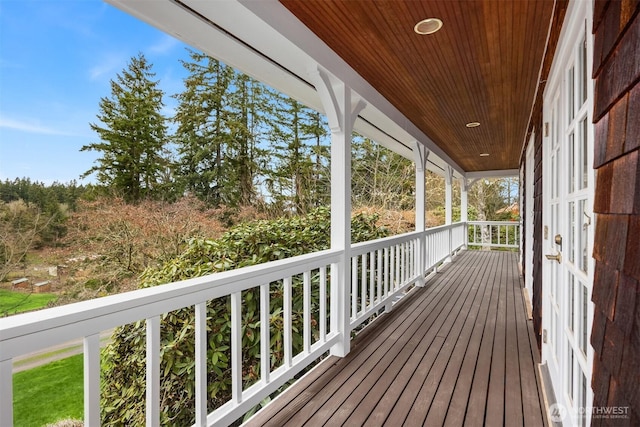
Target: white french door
(568, 220)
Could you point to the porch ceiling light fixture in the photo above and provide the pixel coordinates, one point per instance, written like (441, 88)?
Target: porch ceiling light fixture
(472, 124)
(428, 26)
(484, 154)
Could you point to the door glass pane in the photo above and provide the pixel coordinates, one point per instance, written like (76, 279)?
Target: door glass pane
(583, 240)
(571, 234)
(554, 128)
(584, 305)
(570, 368)
(583, 400)
(571, 161)
(583, 180)
(559, 334)
(571, 302)
(553, 176)
(571, 94)
(583, 71)
(552, 329)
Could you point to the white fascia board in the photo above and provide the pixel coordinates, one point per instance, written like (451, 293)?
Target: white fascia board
(267, 42)
(505, 173)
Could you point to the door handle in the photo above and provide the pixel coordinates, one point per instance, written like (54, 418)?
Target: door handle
(557, 257)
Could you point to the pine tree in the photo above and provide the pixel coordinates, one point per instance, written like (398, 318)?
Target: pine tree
(250, 106)
(203, 135)
(220, 118)
(133, 134)
(299, 157)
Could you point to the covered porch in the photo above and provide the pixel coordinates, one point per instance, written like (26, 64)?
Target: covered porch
(459, 352)
(447, 340)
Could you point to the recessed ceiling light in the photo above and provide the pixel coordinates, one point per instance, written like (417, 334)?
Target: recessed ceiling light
(428, 26)
(472, 124)
(484, 154)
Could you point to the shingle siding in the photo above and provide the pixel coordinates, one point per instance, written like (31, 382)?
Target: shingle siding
(615, 336)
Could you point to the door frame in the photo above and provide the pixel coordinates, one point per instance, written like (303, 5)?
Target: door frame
(555, 91)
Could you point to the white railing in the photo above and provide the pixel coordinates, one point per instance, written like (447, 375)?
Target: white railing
(382, 271)
(22, 334)
(494, 234)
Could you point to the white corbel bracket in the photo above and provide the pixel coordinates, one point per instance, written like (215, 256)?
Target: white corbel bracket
(420, 155)
(340, 97)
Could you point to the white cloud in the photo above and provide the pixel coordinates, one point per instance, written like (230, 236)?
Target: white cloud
(31, 126)
(164, 45)
(109, 66)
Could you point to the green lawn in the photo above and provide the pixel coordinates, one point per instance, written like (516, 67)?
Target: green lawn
(17, 302)
(48, 393)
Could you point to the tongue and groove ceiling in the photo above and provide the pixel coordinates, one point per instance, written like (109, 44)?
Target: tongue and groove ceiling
(482, 66)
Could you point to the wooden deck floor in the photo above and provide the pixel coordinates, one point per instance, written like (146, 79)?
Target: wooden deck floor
(460, 351)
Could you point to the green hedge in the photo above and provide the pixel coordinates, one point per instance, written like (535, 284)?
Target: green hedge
(123, 388)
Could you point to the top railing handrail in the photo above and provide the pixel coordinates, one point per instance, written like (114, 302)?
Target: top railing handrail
(363, 247)
(510, 222)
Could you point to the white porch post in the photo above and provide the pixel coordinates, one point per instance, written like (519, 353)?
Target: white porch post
(464, 207)
(448, 205)
(420, 155)
(342, 108)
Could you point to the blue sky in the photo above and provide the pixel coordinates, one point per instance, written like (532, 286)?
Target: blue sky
(57, 58)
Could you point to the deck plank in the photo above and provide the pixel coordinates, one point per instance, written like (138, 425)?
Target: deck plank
(495, 395)
(419, 329)
(460, 397)
(459, 351)
(513, 407)
(453, 336)
(417, 365)
(454, 377)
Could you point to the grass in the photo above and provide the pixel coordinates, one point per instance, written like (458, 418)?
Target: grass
(49, 393)
(18, 302)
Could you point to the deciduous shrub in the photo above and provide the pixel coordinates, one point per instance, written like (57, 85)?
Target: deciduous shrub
(123, 391)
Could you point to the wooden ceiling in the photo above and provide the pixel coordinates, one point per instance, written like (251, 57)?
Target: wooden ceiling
(482, 66)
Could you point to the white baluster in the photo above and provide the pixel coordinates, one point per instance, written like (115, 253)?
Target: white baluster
(201, 364)
(153, 372)
(91, 346)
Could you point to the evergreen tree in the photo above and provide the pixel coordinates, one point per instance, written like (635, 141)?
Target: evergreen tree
(220, 118)
(203, 134)
(132, 135)
(299, 156)
(250, 106)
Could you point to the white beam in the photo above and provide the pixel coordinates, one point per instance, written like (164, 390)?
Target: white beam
(505, 173)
